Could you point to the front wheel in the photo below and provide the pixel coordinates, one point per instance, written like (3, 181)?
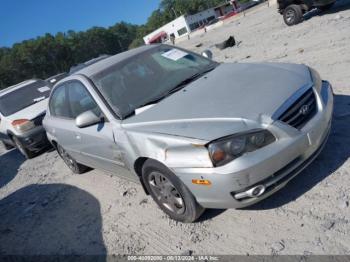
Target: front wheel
(171, 195)
(70, 162)
(293, 15)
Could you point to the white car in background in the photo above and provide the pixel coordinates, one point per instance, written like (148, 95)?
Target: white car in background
(22, 109)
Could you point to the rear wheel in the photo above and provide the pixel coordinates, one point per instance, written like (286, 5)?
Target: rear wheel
(171, 195)
(70, 162)
(24, 151)
(293, 15)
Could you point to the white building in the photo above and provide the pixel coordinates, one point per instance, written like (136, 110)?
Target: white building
(176, 28)
(183, 25)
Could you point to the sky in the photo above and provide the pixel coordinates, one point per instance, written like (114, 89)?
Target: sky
(25, 19)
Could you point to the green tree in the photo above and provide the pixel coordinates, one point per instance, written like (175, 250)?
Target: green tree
(48, 55)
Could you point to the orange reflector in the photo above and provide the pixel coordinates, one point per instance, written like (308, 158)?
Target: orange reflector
(203, 182)
(218, 155)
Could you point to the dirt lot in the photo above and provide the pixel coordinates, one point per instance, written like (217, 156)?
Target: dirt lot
(45, 209)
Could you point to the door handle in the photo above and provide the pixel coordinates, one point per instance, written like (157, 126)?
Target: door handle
(77, 136)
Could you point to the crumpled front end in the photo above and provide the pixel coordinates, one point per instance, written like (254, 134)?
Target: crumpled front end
(294, 106)
(272, 166)
(169, 150)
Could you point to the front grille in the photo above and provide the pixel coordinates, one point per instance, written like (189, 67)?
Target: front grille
(301, 111)
(38, 121)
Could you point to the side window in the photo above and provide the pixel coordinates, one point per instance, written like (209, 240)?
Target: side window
(80, 100)
(58, 103)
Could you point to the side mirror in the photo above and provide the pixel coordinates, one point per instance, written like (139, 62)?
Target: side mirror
(86, 119)
(208, 54)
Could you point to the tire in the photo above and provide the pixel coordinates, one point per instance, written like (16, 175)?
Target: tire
(293, 15)
(326, 7)
(7, 147)
(24, 151)
(171, 195)
(73, 165)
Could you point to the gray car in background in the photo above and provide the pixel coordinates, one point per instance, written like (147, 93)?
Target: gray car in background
(197, 134)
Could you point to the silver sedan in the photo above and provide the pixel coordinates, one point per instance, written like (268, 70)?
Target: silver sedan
(195, 133)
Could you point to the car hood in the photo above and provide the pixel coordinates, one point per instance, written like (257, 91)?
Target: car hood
(30, 112)
(225, 101)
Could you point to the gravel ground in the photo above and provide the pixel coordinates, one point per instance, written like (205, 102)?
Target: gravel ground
(45, 209)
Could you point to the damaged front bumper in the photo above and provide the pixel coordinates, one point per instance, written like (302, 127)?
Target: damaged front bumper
(272, 166)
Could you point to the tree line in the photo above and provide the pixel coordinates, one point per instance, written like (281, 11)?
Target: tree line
(50, 54)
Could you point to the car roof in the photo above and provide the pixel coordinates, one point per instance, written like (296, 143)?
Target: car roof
(16, 86)
(112, 60)
(80, 66)
(54, 76)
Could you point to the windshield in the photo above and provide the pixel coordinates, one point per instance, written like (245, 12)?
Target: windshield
(147, 76)
(23, 97)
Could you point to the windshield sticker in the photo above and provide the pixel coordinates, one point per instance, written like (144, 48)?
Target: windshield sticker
(174, 54)
(43, 89)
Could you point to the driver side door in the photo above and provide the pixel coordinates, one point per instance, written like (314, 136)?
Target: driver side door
(95, 143)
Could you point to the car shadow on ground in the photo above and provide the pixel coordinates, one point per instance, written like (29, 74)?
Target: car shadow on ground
(333, 156)
(51, 219)
(340, 5)
(209, 214)
(10, 162)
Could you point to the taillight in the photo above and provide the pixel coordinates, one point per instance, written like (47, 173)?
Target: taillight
(22, 125)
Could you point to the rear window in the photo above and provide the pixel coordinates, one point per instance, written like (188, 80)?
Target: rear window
(24, 97)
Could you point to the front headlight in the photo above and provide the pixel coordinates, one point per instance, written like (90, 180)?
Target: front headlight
(316, 79)
(228, 148)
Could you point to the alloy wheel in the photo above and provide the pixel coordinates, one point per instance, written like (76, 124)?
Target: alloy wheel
(66, 158)
(166, 193)
(290, 16)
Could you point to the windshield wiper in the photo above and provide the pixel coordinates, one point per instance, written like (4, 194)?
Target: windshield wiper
(178, 87)
(185, 82)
